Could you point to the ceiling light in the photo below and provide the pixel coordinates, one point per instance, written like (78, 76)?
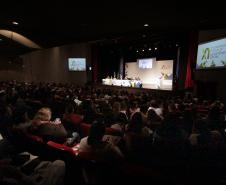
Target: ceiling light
(146, 25)
(15, 23)
(142, 49)
(149, 49)
(156, 48)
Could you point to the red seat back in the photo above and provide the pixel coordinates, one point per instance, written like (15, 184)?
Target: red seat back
(113, 132)
(35, 138)
(61, 147)
(84, 129)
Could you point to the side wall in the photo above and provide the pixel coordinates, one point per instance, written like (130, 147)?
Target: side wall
(50, 65)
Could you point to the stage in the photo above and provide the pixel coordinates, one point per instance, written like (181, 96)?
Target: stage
(135, 90)
(153, 84)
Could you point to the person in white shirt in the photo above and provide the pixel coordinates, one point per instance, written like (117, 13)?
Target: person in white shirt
(154, 106)
(121, 121)
(98, 148)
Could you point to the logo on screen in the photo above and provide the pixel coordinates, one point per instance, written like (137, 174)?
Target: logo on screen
(206, 54)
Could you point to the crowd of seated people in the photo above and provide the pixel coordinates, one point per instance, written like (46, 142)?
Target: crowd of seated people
(170, 136)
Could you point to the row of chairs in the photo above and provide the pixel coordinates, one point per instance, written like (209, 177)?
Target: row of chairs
(91, 168)
(51, 150)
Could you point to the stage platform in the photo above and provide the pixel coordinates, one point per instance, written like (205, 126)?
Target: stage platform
(158, 84)
(135, 89)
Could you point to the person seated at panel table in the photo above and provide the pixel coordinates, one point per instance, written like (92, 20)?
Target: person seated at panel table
(138, 82)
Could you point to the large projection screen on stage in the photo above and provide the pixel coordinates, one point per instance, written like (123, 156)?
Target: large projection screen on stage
(159, 76)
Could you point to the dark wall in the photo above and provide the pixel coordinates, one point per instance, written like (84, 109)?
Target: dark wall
(108, 64)
(11, 68)
(212, 81)
(50, 65)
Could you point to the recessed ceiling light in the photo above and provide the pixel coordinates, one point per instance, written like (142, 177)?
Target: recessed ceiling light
(149, 49)
(156, 48)
(15, 23)
(142, 49)
(137, 51)
(146, 25)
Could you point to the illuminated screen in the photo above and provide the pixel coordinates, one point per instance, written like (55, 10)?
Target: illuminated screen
(212, 54)
(77, 64)
(146, 63)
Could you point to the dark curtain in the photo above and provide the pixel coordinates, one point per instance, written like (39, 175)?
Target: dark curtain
(191, 60)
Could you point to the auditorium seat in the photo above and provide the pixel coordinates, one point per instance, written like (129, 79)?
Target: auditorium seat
(97, 171)
(84, 129)
(71, 150)
(113, 132)
(28, 142)
(35, 138)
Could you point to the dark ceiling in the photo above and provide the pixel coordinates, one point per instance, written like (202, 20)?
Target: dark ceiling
(53, 23)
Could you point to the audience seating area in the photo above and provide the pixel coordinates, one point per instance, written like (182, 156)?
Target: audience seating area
(159, 140)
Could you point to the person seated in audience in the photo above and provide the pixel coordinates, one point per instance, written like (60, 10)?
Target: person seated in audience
(116, 107)
(22, 168)
(42, 126)
(170, 128)
(71, 120)
(108, 114)
(215, 117)
(44, 173)
(70, 114)
(203, 136)
(133, 108)
(5, 119)
(94, 145)
(137, 139)
(120, 123)
(153, 119)
(123, 109)
(154, 105)
(47, 129)
(136, 125)
(89, 112)
(144, 111)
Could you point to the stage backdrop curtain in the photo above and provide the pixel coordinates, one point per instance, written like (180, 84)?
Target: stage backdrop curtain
(95, 59)
(191, 60)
